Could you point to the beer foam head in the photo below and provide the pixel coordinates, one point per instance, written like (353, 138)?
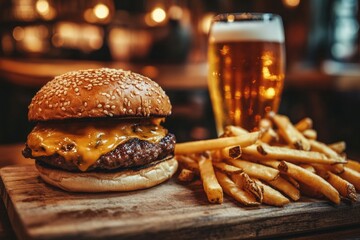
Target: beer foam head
(269, 31)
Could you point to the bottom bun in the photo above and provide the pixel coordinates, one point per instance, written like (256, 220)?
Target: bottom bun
(127, 180)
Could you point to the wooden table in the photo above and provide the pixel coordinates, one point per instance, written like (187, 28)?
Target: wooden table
(9, 155)
(338, 230)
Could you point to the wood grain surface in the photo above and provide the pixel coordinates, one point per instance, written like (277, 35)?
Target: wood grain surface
(169, 211)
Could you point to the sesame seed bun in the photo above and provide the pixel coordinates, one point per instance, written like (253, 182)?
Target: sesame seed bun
(97, 93)
(127, 180)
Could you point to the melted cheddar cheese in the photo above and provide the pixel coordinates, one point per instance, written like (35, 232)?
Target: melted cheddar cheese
(84, 142)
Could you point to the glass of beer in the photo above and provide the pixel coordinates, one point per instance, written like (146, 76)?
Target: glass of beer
(246, 57)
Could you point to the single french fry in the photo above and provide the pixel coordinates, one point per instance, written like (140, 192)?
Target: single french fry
(345, 188)
(211, 186)
(255, 170)
(271, 196)
(264, 152)
(354, 165)
(308, 167)
(233, 190)
(285, 187)
(269, 136)
(323, 148)
(231, 152)
(310, 134)
(338, 147)
(304, 124)
(351, 176)
(226, 153)
(188, 163)
(214, 144)
(232, 131)
(246, 183)
(313, 180)
(226, 168)
(290, 133)
(186, 175)
(272, 163)
(291, 180)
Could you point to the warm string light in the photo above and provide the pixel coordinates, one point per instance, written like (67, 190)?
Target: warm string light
(101, 11)
(45, 9)
(158, 15)
(291, 3)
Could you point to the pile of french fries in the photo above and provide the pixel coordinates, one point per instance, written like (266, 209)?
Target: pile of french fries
(274, 166)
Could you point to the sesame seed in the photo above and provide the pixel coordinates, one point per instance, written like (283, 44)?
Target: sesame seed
(113, 107)
(62, 108)
(85, 104)
(99, 105)
(76, 89)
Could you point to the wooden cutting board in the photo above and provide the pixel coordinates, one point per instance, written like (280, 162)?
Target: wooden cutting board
(169, 211)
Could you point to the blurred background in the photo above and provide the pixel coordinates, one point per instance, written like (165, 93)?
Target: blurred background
(167, 41)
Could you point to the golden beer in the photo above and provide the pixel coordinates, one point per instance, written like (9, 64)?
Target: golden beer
(246, 72)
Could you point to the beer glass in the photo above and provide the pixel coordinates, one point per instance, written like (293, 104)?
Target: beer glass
(246, 57)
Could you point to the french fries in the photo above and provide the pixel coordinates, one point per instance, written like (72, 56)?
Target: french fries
(246, 183)
(354, 165)
(310, 134)
(335, 168)
(264, 152)
(290, 133)
(308, 167)
(226, 168)
(323, 148)
(271, 196)
(232, 131)
(304, 124)
(277, 164)
(291, 180)
(309, 191)
(269, 136)
(307, 177)
(285, 187)
(256, 170)
(188, 163)
(338, 147)
(231, 152)
(186, 175)
(351, 176)
(215, 144)
(233, 190)
(211, 186)
(345, 188)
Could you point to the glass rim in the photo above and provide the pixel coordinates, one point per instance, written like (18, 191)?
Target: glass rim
(245, 17)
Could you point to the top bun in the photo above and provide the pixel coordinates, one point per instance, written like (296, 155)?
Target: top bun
(97, 93)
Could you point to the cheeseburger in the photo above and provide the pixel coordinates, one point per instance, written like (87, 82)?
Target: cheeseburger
(100, 130)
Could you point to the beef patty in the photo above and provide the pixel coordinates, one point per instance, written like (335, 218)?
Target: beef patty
(133, 153)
